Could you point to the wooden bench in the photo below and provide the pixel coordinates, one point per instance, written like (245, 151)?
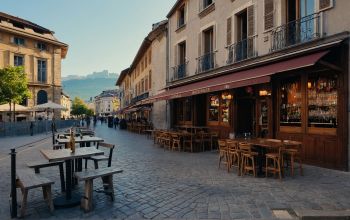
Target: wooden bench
(27, 181)
(37, 165)
(88, 176)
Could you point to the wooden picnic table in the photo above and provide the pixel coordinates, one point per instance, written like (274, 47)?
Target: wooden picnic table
(66, 154)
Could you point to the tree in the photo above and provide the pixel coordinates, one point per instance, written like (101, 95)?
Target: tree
(80, 108)
(13, 86)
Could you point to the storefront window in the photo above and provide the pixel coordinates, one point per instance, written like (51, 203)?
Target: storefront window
(322, 101)
(290, 108)
(187, 110)
(179, 111)
(225, 107)
(214, 103)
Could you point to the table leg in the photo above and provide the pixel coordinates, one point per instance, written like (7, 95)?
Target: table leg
(70, 199)
(69, 179)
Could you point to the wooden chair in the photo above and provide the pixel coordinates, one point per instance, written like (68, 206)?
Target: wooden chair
(292, 152)
(222, 152)
(176, 145)
(206, 139)
(274, 160)
(214, 139)
(248, 157)
(233, 155)
(98, 158)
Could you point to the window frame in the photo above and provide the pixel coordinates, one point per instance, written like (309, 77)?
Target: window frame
(40, 75)
(14, 59)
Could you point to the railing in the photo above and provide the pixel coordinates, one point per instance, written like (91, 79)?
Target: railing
(139, 98)
(242, 50)
(296, 32)
(179, 72)
(206, 62)
(23, 127)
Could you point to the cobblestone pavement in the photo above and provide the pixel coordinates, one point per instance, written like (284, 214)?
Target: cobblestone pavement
(158, 184)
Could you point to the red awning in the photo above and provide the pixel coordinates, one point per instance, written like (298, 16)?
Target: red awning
(238, 79)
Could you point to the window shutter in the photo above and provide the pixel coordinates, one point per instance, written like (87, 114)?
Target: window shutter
(268, 14)
(324, 4)
(251, 21)
(229, 31)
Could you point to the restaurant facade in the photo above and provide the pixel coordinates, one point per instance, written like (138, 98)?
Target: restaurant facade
(276, 69)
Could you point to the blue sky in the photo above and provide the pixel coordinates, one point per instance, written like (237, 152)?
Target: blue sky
(102, 34)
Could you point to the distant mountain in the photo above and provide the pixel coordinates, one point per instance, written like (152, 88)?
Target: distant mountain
(90, 85)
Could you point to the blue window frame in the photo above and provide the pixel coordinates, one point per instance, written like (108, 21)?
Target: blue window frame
(18, 60)
(42, 71)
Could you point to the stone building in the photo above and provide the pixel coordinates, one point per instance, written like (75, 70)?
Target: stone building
(23, 43)
(146, 77)
(107, 103)
(67, 103)
(266, 68)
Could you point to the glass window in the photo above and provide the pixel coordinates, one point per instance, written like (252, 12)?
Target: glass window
(226, 98)
(188, 109)
(18, 41)
(179, 111)
(290, 108)
(322, 101)
(206, 3)
(181, 16)
(42, 73)
(18, 60)
(214, 103)
(41, 46)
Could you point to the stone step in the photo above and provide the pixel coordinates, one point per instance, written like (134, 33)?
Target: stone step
(323, 214)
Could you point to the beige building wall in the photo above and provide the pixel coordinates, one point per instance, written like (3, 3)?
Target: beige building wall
(159, 68)
(53, 56)
(332, 22)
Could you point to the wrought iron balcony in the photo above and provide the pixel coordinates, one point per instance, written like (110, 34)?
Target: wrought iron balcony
(242, 50)
(296, 32)
(179, 71)
(206, 62)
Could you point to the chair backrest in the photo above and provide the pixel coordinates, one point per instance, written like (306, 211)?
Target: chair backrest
(292, 144)
(232, 145)
(222, 144)
(108, 146)
(245, 147)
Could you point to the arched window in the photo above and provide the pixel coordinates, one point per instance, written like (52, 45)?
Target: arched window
(42, 97)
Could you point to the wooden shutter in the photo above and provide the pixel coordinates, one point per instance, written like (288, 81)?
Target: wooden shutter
(268, 14)
(229, 31)
(325, 4)
(251, 21)
(251, 30)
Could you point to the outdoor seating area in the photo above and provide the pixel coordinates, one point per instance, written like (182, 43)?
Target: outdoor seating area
(70, 151)
(261, 157)
(185, 138)
(139, 127)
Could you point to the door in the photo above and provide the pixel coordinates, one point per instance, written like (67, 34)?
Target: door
(245, 116)
(301, 23)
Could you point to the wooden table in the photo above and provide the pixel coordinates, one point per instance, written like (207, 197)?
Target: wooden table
(68, 157)
(85, 139)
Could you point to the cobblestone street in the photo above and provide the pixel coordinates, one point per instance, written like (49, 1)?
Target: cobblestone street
(158, 184)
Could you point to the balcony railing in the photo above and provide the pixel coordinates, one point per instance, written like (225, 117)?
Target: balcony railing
(139, 98)
(179, 71)
(206, 62)
(296, 32)
(242, 50)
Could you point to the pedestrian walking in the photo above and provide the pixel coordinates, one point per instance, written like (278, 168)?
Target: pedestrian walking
(31, 128)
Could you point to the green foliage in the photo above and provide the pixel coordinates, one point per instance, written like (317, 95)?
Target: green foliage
(13, 85)
(80, 108)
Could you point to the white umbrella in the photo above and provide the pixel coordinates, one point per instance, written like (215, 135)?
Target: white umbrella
(49, 106)
(18, 108)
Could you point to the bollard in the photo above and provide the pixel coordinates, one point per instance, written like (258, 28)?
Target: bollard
(13, 184)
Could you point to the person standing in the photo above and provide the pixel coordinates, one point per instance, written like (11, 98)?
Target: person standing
(31, 128)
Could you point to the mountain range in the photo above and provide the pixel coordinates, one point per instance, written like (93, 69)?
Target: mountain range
(89, 86)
